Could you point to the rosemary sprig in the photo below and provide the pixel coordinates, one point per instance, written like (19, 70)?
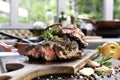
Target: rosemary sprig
(99, 50)
(104, 60)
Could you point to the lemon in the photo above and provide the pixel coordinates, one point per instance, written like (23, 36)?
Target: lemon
(111, 47)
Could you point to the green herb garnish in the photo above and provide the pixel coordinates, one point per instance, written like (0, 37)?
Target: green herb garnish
(99, 50)
(104, 60)
(102, 73)
(49, 35)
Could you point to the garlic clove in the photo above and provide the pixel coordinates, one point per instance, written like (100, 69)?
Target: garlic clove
(103, 68)
(91, 63)
(86, 71)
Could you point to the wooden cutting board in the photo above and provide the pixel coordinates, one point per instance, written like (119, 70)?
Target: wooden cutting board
(32, 70)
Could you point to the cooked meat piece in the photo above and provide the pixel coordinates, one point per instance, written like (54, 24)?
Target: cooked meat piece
(68, 50)
(55, 27)
(51, 50)
(75, 34)
(69, 45)
(44, 50)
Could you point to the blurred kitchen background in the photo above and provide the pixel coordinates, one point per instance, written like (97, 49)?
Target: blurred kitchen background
(28, 18)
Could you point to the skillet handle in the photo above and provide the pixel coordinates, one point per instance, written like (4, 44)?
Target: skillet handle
(15, 37)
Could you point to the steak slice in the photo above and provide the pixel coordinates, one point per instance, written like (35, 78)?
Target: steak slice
(43, 50)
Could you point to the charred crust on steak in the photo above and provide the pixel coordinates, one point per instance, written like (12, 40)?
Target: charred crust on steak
(70, 44)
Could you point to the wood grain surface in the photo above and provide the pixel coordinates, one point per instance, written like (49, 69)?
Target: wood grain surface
(32, 70)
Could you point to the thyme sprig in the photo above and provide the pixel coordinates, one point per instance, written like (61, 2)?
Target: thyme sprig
(49, 35)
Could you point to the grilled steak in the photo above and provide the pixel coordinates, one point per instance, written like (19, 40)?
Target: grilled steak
(44, 49)
(75, 34)
(70, 44)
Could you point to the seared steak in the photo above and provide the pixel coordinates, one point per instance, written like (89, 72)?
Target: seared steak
(70, 44)
(44, 49)
(75, 34)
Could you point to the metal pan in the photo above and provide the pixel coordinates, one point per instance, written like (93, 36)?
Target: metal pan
(103, 24)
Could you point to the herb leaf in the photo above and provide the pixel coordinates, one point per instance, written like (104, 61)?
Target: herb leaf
(49, 35)
(104, 60)
(108, 64)
(108, 57)
(99, 50)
